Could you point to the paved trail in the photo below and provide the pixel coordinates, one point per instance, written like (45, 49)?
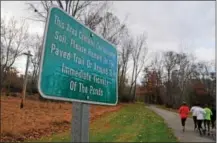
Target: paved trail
(173, 121)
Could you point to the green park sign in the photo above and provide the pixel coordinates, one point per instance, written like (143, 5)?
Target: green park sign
(76, 64)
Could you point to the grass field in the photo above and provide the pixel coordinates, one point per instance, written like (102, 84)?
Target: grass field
(132, 123)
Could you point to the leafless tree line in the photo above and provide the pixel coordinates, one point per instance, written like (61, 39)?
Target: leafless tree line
(14, 41)
(132, 51)
(178, 77)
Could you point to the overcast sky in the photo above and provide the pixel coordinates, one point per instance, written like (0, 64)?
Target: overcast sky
(178, 25)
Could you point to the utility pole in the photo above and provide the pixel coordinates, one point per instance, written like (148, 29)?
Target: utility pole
(25, 79)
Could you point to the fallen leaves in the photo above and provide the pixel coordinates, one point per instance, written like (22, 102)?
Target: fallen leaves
(39, 119)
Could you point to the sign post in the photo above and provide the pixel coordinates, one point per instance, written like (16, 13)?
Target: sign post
(80, 122)
(77, 65)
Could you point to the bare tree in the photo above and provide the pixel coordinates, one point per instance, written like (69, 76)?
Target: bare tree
(74, 8)
(111, 28)
(185, 78)
(87, 12)
(139, 53)
(36, 47)
(124, 57)
(157, 67)
(169, 63)
(205, 74)
(92, 14)
(14, 41)
(185, 68)
(1, 53)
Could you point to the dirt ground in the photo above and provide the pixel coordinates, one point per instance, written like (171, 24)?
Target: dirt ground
(39, 118)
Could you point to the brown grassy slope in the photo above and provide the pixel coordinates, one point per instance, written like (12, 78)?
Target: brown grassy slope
(38, 118)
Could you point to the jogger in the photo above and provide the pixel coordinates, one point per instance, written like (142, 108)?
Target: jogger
(207, 119)
(200, 118)
(193, 111)
(183, 112)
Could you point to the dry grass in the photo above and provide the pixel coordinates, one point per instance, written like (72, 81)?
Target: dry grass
(38, 118)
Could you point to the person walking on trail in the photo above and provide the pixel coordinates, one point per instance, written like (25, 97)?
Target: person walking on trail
(213, 116)
(194, 115)
(207, 119)
(200, 118)
(183, 112)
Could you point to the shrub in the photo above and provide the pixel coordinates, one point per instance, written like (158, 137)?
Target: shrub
(125, 98)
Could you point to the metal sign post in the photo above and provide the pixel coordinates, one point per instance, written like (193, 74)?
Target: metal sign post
(80, 122)
(77, 65)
